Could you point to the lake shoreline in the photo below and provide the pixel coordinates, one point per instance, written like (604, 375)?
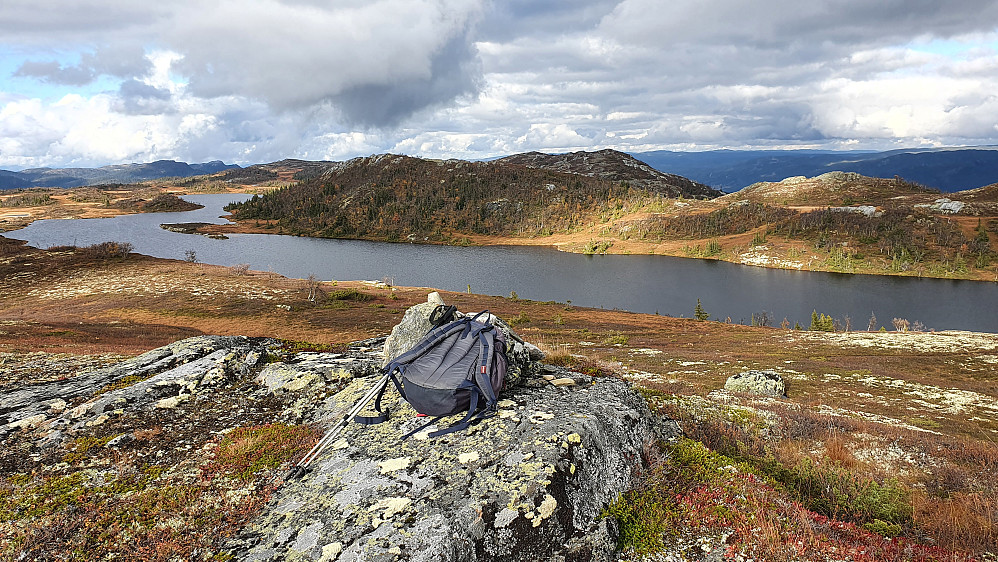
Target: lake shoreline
(736, 249)
(755, 256)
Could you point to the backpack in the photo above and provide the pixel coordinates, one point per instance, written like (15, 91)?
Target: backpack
(459, 366)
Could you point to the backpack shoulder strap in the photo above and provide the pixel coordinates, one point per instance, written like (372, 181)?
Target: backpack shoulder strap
(383, 415)
(486, 342)
(428, 341)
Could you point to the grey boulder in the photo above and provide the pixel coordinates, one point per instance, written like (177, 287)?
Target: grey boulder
(766, 383)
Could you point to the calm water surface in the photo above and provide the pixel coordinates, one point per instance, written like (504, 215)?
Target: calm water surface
(650, 284)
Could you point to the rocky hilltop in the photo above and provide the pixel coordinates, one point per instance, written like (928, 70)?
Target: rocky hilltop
(392, 197)
(528, 484)
(616, 166)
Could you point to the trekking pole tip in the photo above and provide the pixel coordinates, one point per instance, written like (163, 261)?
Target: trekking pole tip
(295, 473)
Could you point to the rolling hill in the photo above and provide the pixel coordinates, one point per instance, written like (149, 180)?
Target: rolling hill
(392, 197)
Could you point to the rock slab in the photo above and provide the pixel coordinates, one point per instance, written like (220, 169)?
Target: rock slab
(527, 484)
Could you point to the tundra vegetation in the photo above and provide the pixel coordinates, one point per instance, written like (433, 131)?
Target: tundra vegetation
(884, 448)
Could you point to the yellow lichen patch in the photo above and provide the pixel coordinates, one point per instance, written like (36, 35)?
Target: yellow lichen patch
(172, 402)
(545, 510)
(391, 465)
(540, 417)
(302, 382)
(391, 506)
(331, 551)
(465, 458)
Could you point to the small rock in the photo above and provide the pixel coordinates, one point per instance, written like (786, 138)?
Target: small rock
(57, 406)
(563, 382)
(30, 422)
(414, 325)
(766, 383)
(120, 441)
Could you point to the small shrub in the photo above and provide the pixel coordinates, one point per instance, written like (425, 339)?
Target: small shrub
(295, 346)
(596, 247)
(519, 319)
(821, 323)
(616, 338)
(350, 295)
(713, 248)
(109, 250)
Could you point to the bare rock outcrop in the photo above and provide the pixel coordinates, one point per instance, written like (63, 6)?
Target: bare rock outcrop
(528, 484)
(164, 372)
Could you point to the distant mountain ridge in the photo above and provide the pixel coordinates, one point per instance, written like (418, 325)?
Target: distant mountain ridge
(696, 174)
(946, 169)
(115, 173)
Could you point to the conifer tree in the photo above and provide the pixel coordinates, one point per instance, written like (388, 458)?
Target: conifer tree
(699, 313)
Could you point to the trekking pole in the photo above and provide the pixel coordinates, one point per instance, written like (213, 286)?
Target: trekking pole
(299, 469)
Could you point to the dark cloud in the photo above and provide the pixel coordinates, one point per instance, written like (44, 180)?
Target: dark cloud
(52, 71)
(267, 79)
(509, 19)
(379, 62)
(139, 98)
(454, 71)
(75, 22)
(119, 61)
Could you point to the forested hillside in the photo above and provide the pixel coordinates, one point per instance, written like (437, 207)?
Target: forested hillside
(390, 197)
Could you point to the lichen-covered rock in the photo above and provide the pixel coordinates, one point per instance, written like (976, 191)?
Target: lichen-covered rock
(185, 364)
(527, 484)
(766, 383)
(414, 325)
(522, 356)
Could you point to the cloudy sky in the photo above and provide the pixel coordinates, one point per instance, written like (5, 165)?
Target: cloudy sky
(94, 82)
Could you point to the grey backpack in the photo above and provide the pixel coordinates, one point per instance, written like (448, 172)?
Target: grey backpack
(457, 367)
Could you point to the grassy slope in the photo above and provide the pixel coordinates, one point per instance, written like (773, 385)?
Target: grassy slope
(898, 427)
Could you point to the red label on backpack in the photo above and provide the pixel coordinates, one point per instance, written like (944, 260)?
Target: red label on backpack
(483, 369)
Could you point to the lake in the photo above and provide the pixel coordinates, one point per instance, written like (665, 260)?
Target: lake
(639, 283)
